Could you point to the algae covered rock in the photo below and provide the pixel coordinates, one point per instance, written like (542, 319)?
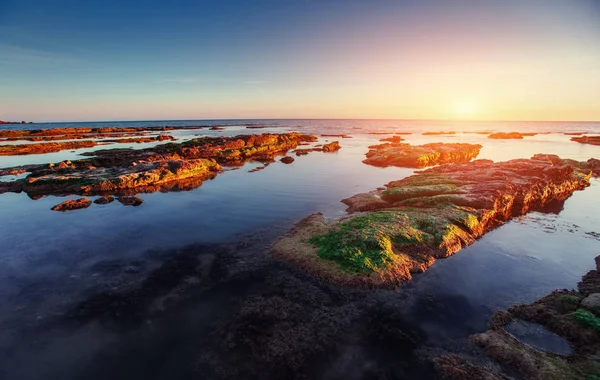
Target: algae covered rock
(430, 215)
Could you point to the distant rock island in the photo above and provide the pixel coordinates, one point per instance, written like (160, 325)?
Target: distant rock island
(14, 122)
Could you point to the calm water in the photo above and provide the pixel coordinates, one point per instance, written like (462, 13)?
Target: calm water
(50, 261)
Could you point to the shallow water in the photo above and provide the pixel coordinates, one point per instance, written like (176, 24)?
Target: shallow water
(50, 261)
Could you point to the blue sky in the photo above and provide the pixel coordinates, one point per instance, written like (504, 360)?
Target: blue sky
(117, 60)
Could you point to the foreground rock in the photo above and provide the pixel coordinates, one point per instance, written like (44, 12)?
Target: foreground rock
(164, 167)
(328, 148)
(564, 312)
(74, 204)
(420, 156)
(104, 200)
(427, 216)
(592, 140)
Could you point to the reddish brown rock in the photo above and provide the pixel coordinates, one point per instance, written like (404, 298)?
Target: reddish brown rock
(420, 156)
(393, 139)
(287, 160)
(331, 147)
(510, 135)
(438, 133)
(18, 150)
(427, 216)
(74, 204)
(592, 140)
(104, 200)
(216, 128)
(130, 201)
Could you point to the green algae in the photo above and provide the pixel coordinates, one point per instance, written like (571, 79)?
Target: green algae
(365, 243)
(396, 194)
(587, 319)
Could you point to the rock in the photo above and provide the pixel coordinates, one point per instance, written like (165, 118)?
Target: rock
(561, 313)
(104, 200)
(420, 156)
(509, 136)
(25, 149)
(332, 147)
(597, 259)
(438, 133)
(500, 319)
(427, 216)
(165, 167)
(73, 204)
(216, 128)
(592, 140)
(130, 201)
(592, 303)
(393, 139)
(454, 367)
(287, 160)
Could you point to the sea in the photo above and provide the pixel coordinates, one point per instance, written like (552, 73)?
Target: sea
(71, 283)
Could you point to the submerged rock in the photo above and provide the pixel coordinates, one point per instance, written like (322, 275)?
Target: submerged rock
(73, 204)
(420, 156)
(427, 216)
(130, 201)
(104, 200)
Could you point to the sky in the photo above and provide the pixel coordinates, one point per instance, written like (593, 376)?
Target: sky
(414, 59)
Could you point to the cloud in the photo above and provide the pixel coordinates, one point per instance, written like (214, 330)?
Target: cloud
(19, 55)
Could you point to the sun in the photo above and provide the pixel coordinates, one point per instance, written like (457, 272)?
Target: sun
(465, 109)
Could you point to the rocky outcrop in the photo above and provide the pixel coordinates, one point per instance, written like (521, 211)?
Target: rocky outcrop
(438, 133)
(24, 149)
(331, 147)
(130, 201)
(420, 156)
(592, 140)
(430, 215)
(74, 204)
(104, 200)
(164, 167)
(393, 139)
(564, 312)
(510, 135)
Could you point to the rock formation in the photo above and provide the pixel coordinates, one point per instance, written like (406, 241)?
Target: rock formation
(428, 216)
(420, 156)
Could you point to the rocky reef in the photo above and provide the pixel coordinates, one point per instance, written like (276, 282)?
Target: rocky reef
(420, 156)
(427, 216)
(24, 149)
(572, 314)
(164, 167)
(592, 140)
(510, 135)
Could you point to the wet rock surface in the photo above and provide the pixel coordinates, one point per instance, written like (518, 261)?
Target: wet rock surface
(74, 204)
(562, 312)
(173, 166)
(427, 216)
(510, 135)
(420, 156)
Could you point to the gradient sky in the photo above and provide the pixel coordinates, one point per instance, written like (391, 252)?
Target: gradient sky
(147, 60)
